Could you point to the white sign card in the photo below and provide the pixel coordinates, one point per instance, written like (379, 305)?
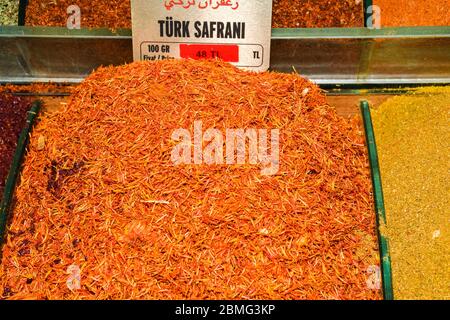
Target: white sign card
(236, 31)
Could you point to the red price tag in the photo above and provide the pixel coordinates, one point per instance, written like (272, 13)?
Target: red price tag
(229, 53)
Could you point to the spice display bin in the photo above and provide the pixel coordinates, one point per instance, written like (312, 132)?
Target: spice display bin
(6, 204)
(349, 56)
(385, 260)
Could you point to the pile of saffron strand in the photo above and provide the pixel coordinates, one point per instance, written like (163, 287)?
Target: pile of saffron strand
(99, 192)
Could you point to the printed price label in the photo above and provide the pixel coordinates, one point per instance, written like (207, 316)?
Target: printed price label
(229, 53)
(236, 31)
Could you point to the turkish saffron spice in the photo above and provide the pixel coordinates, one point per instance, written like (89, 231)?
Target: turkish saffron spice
(117, 13)
(414, 13)
(13, 115)
(103, 212)
(413, 140)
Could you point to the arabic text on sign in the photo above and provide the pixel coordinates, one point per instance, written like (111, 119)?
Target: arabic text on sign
(201, 4)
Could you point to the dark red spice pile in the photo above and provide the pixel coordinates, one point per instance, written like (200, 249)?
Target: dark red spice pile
(13, 115)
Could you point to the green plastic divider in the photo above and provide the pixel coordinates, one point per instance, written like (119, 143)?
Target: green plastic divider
(7, 200)
(385, 260)
(22, 11)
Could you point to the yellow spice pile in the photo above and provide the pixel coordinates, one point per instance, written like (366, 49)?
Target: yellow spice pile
(413, 140)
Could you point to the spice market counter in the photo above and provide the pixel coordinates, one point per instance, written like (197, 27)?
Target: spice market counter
(350, 64)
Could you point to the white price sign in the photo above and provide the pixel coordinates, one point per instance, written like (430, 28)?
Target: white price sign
(236, 31)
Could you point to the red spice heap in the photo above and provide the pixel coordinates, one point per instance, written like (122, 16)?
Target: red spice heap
(94, 14)
(103, 194)
(117, 13)
(13, 115)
